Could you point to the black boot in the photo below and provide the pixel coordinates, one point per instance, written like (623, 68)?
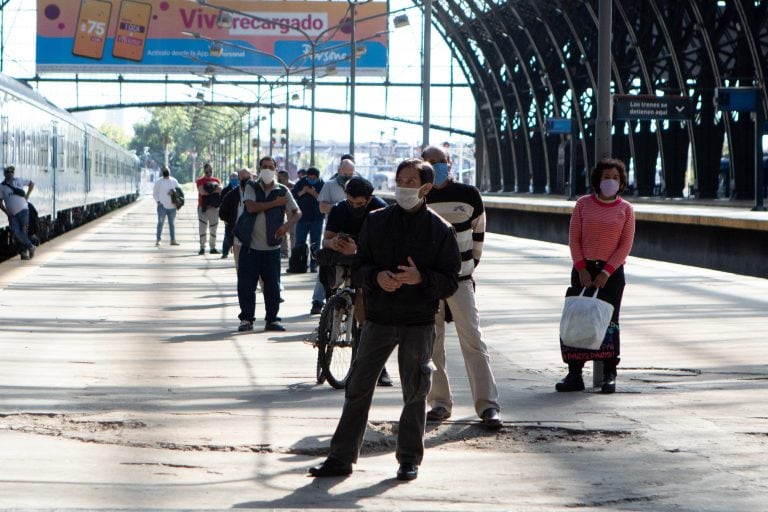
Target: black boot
(573, 381)
(609, 377)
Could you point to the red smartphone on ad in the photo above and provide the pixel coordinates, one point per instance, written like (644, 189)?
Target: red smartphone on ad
(91, 30)
(132, 29)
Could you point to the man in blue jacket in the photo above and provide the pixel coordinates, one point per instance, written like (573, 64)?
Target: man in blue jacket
(409, 261)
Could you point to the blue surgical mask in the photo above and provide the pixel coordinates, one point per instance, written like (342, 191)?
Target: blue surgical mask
(312, 181)
(442, 170)
(233, 182)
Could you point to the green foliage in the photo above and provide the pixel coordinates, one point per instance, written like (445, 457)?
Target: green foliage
(116, 133)
(187, 131)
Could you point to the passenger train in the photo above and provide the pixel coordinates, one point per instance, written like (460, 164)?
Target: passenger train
(79, 174)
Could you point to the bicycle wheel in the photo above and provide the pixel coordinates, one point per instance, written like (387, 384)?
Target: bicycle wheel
(319, 373)
(337, 336)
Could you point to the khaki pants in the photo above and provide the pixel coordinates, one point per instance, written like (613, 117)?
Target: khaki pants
(466, 318)
(209, 221)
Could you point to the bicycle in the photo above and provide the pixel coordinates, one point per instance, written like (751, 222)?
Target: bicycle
(337, 335)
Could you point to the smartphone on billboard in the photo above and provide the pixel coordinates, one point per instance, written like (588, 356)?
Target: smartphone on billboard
(131, 31)
(91, 30)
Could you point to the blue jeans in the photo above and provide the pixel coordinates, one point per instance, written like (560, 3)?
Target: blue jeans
(19, 225)
(162, 212)
(251, 266)
(315, 231)
(226, 245)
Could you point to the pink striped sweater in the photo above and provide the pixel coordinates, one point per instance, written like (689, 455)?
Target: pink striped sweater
(601, 231)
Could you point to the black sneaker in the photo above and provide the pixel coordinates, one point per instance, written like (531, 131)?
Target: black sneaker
(202, 251)
(214, 251)
(317, 307)
(384, 379)
(245, 325)
(274, 326)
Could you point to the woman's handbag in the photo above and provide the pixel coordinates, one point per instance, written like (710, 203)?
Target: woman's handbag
(584, 321)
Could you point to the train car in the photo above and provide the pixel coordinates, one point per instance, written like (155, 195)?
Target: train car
(79, 174)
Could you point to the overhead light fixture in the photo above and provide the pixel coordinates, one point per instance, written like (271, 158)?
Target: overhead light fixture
(295, 97)
(360, 50)
(200, 96)
(401, 21)
(209, 70)
(216, 50)
(206, 84)
(224, 20)
(330, 70)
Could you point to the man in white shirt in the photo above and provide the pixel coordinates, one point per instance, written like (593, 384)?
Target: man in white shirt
(13, 201)
(165, 207)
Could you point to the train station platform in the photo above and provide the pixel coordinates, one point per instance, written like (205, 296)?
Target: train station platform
(124, 384)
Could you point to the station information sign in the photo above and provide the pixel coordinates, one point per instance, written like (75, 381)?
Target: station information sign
(631, 107)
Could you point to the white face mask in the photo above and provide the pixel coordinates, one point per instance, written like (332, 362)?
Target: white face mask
(407, 198)
(267, 175)
(609, 187)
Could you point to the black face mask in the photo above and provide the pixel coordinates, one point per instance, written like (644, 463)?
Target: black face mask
(357, 212)
(342, 180)
(243, 182)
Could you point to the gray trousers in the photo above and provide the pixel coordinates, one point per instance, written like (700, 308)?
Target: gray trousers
(414, 355)
(209, 221)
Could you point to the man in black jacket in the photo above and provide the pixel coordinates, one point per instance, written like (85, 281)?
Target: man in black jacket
(410, 260)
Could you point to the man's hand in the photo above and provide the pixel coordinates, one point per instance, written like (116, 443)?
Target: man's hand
(387, 281)
(408, 274)
(282, 230)
(280, 200)
(344, 245)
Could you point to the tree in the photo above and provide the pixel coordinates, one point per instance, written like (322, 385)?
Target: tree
(116, 133)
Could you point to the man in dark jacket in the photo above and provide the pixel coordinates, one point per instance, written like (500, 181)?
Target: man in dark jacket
(410, 260)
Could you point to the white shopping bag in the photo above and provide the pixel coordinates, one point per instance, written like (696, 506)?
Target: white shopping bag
(585, 320)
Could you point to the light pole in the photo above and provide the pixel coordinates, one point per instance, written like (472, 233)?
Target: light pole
(426, 72)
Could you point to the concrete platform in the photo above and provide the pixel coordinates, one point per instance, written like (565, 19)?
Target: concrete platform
(124, 385)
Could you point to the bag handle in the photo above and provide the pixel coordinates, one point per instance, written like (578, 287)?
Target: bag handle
(594, 295)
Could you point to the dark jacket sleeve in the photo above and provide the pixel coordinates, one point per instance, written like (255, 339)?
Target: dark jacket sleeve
(228, 208)
(364, 273)
(441, 279)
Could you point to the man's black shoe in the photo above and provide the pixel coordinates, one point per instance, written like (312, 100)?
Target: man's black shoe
(384, 379)
(202, 251)
(317, 307)
(438, 414)
(214, 251)
(407, 472)
(331, 467)
(274, 326)
(245, 325)
(491, 419)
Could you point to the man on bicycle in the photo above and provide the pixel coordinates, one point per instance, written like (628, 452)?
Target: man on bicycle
(341, 230)
(408, 261)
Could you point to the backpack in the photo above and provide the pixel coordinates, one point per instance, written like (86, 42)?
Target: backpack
(177, 197)
(297, 263)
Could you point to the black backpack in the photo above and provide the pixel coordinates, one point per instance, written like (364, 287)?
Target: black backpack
(297, 263)
(177, 197)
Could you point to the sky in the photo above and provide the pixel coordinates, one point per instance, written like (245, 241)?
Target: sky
(457, 110)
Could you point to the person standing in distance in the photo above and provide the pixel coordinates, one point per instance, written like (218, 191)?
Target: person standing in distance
(13, 201)
(208, 201)
(409, 261)
(600, 238)
(462, 206)
(226, 244)
(267, 203)
(165, 207)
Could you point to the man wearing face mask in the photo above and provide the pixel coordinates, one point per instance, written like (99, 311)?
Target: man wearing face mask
(462, 206)
(341, 232)
(260, 228)
(333, 191)
(208, 201)
(409, 260)
(306, 192)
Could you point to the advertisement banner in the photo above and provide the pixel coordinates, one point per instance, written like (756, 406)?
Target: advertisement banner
(221, 36)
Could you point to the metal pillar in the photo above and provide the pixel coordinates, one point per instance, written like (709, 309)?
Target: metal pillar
(425, 72)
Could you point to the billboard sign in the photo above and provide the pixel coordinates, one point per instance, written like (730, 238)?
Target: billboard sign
(183, 36)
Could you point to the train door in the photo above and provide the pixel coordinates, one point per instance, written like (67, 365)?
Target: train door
(54, 166)
(4, 135)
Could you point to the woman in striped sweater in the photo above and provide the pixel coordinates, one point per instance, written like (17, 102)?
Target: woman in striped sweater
(600, 238)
